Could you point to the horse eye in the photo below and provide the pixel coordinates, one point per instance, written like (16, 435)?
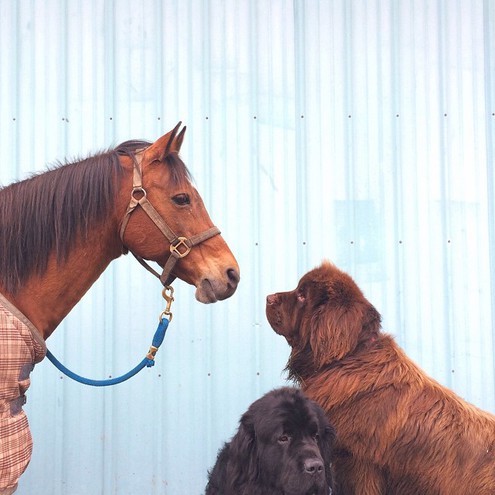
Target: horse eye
(181, 199)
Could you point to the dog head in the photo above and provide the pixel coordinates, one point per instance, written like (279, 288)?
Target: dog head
(286, 443)
(325, 318)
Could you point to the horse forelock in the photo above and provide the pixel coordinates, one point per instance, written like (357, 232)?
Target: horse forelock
(179, 173)
(46, 212)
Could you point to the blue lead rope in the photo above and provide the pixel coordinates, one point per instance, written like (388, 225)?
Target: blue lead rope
(148, 361)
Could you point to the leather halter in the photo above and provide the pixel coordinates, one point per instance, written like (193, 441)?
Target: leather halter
(179, 246)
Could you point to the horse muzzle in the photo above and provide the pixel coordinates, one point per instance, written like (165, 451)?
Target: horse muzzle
(213, 289)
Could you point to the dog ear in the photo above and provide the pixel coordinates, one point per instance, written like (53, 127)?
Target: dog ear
(334, 331)
(326, 445)
(327, 442)
(242, 463)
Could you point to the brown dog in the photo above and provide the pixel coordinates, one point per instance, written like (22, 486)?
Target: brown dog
(399, 432)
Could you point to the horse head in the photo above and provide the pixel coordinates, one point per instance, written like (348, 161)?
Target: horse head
(166, 221)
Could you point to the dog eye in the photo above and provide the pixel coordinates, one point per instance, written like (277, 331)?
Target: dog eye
(181, 199)
(316, 436)
(301, 297)
(283, 438)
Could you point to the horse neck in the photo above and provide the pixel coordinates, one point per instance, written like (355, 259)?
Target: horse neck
(46, 299)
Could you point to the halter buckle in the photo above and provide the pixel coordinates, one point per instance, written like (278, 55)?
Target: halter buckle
(177, 245)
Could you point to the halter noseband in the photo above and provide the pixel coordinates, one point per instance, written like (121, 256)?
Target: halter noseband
(179, 246)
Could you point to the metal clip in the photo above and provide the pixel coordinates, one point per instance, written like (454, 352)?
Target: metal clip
(168, 295)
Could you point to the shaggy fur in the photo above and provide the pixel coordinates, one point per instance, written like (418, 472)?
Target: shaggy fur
(398, 431)
(282, 447)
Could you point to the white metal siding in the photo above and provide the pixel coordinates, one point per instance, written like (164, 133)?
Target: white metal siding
(362, 131)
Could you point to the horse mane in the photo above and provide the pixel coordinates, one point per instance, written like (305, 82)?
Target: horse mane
(48, 211)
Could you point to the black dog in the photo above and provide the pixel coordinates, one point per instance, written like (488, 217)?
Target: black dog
(282, 447)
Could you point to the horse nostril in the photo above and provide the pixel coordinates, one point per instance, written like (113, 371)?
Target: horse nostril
(313, 466)
(233, 276)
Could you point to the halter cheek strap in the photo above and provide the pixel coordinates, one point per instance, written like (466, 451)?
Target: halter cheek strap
(179, 246)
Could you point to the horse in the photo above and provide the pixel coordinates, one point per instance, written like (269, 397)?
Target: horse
(60, 229)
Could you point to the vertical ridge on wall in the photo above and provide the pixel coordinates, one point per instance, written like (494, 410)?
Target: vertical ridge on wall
(489, 88)
(301, 130)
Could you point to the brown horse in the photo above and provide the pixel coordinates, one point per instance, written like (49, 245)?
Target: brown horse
(60, 229)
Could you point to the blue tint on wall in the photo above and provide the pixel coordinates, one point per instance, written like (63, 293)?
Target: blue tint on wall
(358, 131)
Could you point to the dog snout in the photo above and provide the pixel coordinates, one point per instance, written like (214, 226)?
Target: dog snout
(271, 299)
(313, 466)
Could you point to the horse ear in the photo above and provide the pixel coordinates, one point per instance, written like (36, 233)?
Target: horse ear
(180, 138)
(168, 143)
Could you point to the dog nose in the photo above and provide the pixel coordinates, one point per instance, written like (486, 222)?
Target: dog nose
(313, 466)
(271, 299)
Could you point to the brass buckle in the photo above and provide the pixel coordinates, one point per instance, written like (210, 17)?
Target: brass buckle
(181, 243)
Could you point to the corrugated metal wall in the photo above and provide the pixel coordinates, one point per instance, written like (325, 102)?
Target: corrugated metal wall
(361, 131)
